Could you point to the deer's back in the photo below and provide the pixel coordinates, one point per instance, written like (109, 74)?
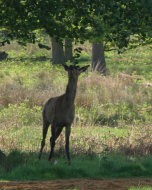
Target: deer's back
(56, 111)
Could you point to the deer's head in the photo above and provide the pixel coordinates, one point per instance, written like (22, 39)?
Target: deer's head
(75, 71)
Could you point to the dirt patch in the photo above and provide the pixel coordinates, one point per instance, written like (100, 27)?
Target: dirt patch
(78, 184)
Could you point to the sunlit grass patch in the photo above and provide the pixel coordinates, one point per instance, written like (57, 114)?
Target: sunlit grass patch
(141, 188)
(133, 62)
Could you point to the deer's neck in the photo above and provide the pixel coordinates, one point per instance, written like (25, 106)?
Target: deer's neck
(71, 90)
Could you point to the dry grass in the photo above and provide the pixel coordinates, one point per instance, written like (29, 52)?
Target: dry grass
(112, 101)
(102, 90)
(14, 91)
(136, 142)
(93, 90)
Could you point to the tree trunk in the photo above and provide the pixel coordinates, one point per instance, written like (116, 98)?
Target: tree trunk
(68, 50)
(57, 52)
(98, 58)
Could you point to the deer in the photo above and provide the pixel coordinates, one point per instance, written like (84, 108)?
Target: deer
(59, 112)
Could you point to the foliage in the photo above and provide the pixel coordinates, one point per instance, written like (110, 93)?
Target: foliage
(115, 22)
(126, 19)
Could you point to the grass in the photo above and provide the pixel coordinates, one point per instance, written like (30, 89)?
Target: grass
(135, 62)
(112, 131)
(140, 188)
(26, 166)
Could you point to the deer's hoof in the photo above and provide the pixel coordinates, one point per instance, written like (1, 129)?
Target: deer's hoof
(39, 157)
(55, 162)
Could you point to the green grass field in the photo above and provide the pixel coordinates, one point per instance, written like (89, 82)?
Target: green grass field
(112, 131)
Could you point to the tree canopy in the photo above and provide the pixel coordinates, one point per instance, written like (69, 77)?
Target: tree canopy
(116, 22)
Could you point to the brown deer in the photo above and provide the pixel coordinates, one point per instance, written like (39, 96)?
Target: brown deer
(59, 111)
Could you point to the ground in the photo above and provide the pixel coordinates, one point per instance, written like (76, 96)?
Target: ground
(79, 184)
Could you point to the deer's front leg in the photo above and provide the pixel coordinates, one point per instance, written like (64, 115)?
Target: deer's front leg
(67, 141)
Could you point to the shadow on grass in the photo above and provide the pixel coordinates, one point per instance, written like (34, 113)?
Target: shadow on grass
(32, 59)
(26, 166)
(44, 58)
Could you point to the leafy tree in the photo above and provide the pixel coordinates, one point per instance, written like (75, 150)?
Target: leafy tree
(116, 23)
(58, 18)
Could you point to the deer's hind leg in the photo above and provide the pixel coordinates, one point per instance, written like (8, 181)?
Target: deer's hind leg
(56, 131)
(45, 129)
(67, 141)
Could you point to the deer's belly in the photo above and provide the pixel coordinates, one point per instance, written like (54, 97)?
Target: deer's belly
(63, 118)
(60, 116)
(64, 121)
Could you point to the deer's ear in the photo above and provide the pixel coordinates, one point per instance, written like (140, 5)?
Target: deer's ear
(66, 67)
(83, 69)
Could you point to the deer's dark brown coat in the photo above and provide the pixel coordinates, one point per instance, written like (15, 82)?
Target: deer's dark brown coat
(59, 111)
